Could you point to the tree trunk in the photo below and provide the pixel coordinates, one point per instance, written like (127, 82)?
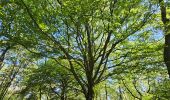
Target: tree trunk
(167, 52)
(90, 93)
(106, 91)
(63, 94)
(166, 22)
(120, 94)
(40, 95)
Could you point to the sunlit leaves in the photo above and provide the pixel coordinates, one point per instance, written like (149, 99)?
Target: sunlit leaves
(88, 40)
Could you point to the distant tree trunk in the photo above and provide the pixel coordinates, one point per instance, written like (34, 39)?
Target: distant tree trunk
(63, 93)
(167, 35)
(120, 94)
(106, 91)
(40, 92)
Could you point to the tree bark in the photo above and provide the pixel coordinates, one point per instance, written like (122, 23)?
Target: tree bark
(63, 93)
(167, 53)
(90, 93)
(166, 23)
(106, 90)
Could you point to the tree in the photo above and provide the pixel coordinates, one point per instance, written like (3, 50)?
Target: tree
(49, 80)
(162, 90)
(85, 33)
(166, 22)
(13, 66)
(97, 39)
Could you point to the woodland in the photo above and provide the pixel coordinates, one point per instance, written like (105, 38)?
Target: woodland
(84, 50)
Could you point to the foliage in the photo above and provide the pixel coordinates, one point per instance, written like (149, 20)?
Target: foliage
(76, 49)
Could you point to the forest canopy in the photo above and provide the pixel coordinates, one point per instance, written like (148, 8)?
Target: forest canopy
(84, 49)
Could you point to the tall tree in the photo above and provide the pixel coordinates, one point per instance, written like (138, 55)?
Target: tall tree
(88, 34)
(166, 22)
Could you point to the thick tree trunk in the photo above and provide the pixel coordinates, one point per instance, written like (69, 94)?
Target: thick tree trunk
(167, 52)
(90, 93)
(166, 22)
